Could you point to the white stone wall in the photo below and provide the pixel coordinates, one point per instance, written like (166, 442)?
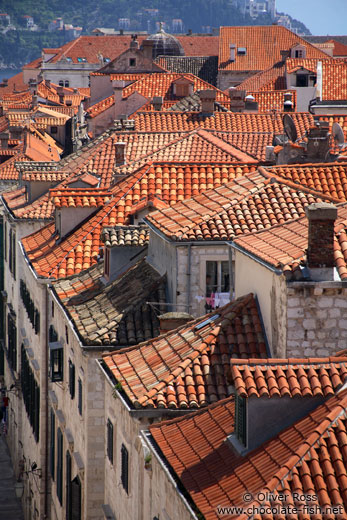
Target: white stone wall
(316, 320)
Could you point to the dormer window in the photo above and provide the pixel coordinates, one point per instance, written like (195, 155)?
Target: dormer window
(82, 60)
(241, 51)
(298, 51)
(68, 59)
(107, 60)
(302, 80)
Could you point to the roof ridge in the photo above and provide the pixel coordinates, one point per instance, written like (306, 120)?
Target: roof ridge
(226, 147)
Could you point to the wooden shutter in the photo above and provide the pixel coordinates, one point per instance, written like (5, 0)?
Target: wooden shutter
(76, 499)
(68, 486)
(60, 466)
(125, 468)
(110, 440)
(52, 445)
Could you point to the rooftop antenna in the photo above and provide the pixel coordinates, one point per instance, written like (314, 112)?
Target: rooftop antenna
(289, 128)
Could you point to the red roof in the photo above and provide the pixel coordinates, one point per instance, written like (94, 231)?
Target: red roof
(306, 458)
(189, 366)
(263, 46)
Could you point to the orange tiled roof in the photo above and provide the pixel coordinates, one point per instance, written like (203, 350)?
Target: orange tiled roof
(79, 198)
(49, 176)
(273, 78)
(264, 45)
(289, 377)
(269, 100)
(339, 48)
(221, 121)
(15, 84)
(284, 246)
(171, 183)
(187, 367)
(245, 205)
(306, 458)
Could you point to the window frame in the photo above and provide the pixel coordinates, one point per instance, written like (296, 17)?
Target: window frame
(125, 468)
(109, 446)
(80, 396)
(56, 361)
(72, 379)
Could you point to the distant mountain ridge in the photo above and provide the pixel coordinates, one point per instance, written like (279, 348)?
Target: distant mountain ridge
(21, 46)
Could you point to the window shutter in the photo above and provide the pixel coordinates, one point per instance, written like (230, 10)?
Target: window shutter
(68, 486)
(52, 446)
(71, 379)
(80, 396)
(76, 499)
(110, 441)
(60, 466)
(125, 468)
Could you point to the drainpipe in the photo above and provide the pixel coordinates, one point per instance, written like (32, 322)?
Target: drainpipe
(188, 276)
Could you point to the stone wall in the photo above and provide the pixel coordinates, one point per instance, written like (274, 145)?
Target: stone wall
(316, 319)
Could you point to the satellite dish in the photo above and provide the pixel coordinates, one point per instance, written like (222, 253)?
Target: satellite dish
(289, 128)
(338, 135)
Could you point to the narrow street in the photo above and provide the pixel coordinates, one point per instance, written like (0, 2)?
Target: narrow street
(10, 506)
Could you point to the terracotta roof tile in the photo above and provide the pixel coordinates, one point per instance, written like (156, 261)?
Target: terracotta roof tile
(264, 45)
(273, 78)
(288, 377)
(188, 367)
(284, 246)
(220, 121)
(79, 198)
(306, 458)
(169, 182)
(125, 236)
(117, 314)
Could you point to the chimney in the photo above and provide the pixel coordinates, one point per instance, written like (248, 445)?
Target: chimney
(237, 99)
(207, 98)
(48, 83)
(173, 320)
(190, 32)
(157, 103)
(251, 104)
(16, 132)
(120, 151)
(117, 86)
(232, 51)
(4, 137)
(285, 55)
(60, 92)
(320, 251)
(34, 100)
(134, 44)
(270, 154)
(147, 49)
(288, 105)
(33, 86)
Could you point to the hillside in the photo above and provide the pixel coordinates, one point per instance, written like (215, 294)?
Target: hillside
(21, 46)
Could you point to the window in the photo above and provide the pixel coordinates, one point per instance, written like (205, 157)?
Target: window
(54, 129)
(241, 419)
(52, 445)
(82, 60)
(107, 60)
(12, 252)
(71, 379)
(57, 361)
(60, 466)
(125, 468)
(12, 341)
(110, 441)
(68, 486)
(182, 90)
(5, 241)
(242, 51)
(32, 311)
(302, 80)
(80, 396)
(31, 394)
(52, 310)
(217, 284)
(69, 59)
(76, 494)
(132, 62)
(61, 83)
(66, 335)
(66, 83)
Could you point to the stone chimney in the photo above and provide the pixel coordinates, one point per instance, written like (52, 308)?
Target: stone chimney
(207, 98)
(33, 86)
(173, 320)
(320, 251)
(157, 103)
(4, 137)
(60, 92)
(120, 154)
(237, 99)
(117, 86)
(232, 51)
(134, 44)
(147, 49)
